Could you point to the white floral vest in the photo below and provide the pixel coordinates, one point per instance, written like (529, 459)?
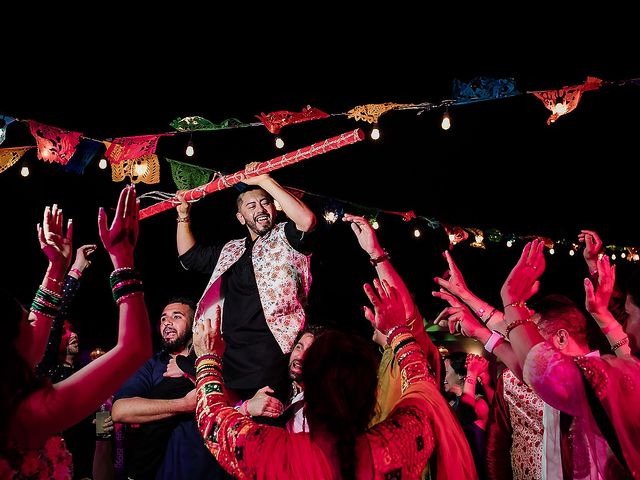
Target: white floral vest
(283, 278)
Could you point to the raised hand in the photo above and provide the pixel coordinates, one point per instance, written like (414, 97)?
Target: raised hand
(452, 280)
(388, 309)
(207, 336)
(597, 297)
(365, 234)
(183, 208)
(82, 257)
(522, 282)
(55, 244)
(249, 174)
(458, 318)
(120, 239)
(592, 248)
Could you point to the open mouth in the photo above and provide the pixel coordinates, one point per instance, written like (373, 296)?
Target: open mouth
(169, 332)
(262, 219)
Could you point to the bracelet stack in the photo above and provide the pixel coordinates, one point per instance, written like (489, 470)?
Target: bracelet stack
(46, 302)
(125, 283)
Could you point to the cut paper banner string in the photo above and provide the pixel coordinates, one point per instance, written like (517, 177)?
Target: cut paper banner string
(10, 156)
(227, 181)
(275, 121)
(563, 101)
(129, 148)
(187, 176)
(483, 88)
(54, 144)
(86, 151)
(145, 169)
(371, 112)
(4, 123)
(194, 124)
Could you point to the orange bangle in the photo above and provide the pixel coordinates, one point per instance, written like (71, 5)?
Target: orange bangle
(516, 324)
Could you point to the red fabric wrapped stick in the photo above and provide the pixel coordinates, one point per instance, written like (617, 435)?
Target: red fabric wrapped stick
(290, 158)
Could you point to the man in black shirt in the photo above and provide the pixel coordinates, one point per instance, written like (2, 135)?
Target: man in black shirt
(261, 281)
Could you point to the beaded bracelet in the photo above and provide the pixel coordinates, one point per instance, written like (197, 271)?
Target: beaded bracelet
(516, 324)
(623, 341)
(519, 304)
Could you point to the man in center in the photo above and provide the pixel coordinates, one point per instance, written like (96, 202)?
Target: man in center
(261, 282)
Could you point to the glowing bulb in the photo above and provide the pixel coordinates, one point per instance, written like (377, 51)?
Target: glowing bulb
(509, 243)
(571, 253)
(102, 164)
(452, 238)
(189, 151)
(479, 238)
(279, 142)
(552, 251)
(417, 233)
(636, 257)
(623, 255)
(561, 108)
(375, 225)
(24, 171)
(140, 169)
(446, 121)
(375, 132)
(613, 256)
(330, 216)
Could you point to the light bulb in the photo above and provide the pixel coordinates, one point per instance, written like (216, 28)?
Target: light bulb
(613, 256)
(375, 225)
(479, 238)
(375, 132)
(330, 216)
(189, 151)
(140, 169)
(561, 108)
(571, 253)
(509, 243)
(552, 251)
(417, 233)
(446, 121)
(279, 142)
(623, 255)
(636, 257)
(102, 164)
(24, 171)
(452, 238)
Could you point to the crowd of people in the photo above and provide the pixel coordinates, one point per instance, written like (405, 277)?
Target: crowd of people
(245, 386)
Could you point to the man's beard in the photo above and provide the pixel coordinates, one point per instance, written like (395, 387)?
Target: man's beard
(178, 343)
(260, 230)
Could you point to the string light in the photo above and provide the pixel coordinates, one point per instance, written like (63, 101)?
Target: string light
(417, 233)
(623, 255)
(509, 243)
(613, 256)
(102, 164)
(552, 251)
(189, 151)
(572, 253)
(375, 225)
(330, 216)
(635, 257)
(375, 131)
(446, 120)
(140, 168)
(24, 171)
(279, 142)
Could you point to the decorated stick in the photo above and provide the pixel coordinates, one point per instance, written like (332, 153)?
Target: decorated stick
(290, 158)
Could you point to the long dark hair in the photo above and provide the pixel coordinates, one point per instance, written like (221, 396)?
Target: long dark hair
(339, 372)
(17, 379)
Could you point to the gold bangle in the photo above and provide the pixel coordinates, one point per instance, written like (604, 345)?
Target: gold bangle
(186, 219)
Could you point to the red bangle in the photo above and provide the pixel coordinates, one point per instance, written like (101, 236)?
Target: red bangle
(612, 326)
(76, 271)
